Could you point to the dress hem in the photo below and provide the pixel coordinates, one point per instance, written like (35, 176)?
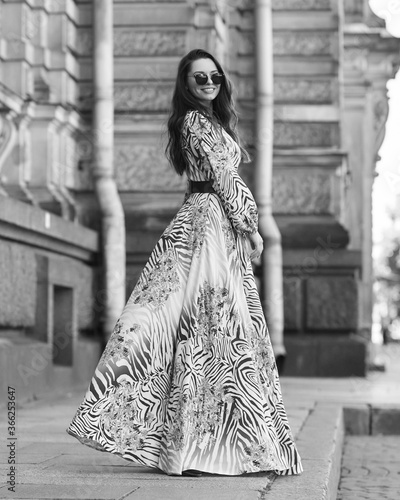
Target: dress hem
(92, 443)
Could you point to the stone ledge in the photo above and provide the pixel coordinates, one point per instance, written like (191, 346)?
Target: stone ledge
(31, 225)
(306, 231)
(174, 14)
(320, 444)
(385, 420)
(357, 419)
(337, 258)
(325, 355)
(27, 366)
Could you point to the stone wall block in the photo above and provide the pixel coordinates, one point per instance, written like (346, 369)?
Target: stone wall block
(341, 356)
(292, 302)
(385, 420)
(85, 98)
(84, 290)
(354, 7)
(18, 285)
(306, 192)
(357, 419)
(246, 88)
(82, 42)
(58, 29)
(143, 167)
(331, 303)
(310, 134)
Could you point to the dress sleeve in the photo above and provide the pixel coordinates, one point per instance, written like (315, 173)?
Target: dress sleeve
(206, 142)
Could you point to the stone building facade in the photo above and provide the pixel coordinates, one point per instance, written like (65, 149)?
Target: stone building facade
(332, 59)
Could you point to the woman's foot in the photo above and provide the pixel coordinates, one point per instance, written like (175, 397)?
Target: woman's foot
(192, 472)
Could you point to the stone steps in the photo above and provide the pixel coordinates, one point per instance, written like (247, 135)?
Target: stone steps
(321, 443)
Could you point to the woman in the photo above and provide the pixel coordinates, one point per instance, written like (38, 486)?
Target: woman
(188, 382)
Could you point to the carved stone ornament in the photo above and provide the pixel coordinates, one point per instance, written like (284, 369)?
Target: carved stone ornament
(306, 134)
(302, 44)
(143, 167)
(381, 112)
(301, 192)
(143, 96)
(302, 5)
(299, 43)
(149, 43)
(135, 42)
(303, 91)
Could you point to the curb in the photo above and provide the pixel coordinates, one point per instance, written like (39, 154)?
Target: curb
(320, 444)
(372, 420)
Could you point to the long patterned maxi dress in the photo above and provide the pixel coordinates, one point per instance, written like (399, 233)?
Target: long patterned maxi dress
(188, 378)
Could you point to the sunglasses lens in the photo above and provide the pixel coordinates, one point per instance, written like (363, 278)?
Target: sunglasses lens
(217, 79)
(201, 79)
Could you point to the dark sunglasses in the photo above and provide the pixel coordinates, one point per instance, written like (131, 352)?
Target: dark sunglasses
(202, 78)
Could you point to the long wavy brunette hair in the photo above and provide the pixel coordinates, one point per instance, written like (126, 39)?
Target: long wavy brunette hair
(223, 112)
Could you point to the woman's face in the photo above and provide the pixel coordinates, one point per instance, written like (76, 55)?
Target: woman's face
(207, 92)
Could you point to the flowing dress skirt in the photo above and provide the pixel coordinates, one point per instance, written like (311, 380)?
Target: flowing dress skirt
(188, 378)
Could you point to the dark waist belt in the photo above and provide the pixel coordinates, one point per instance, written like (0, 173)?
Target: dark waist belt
(200, 187)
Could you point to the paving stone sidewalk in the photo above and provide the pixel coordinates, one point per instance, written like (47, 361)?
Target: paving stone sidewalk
(370, 468)
(53, 465)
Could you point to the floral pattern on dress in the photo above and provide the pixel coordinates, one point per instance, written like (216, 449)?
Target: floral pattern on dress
(219, 156)
(250, 220)
(230, 241)
(214, 309)
(262, 355)
(201, 415)
(259, 457)
(198, 229)
(202, 128)
(119, 344)
(121, 419)
(177, 431)
(156, 287)
(209, 408)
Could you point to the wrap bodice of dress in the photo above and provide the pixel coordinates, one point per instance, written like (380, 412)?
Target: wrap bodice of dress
(212, 155)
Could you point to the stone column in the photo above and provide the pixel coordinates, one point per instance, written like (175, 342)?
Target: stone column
(371, 58)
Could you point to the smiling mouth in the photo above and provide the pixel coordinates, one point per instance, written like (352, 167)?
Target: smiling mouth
(208, 90)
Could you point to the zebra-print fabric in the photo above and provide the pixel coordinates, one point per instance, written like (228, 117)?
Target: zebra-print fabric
(188, 378)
